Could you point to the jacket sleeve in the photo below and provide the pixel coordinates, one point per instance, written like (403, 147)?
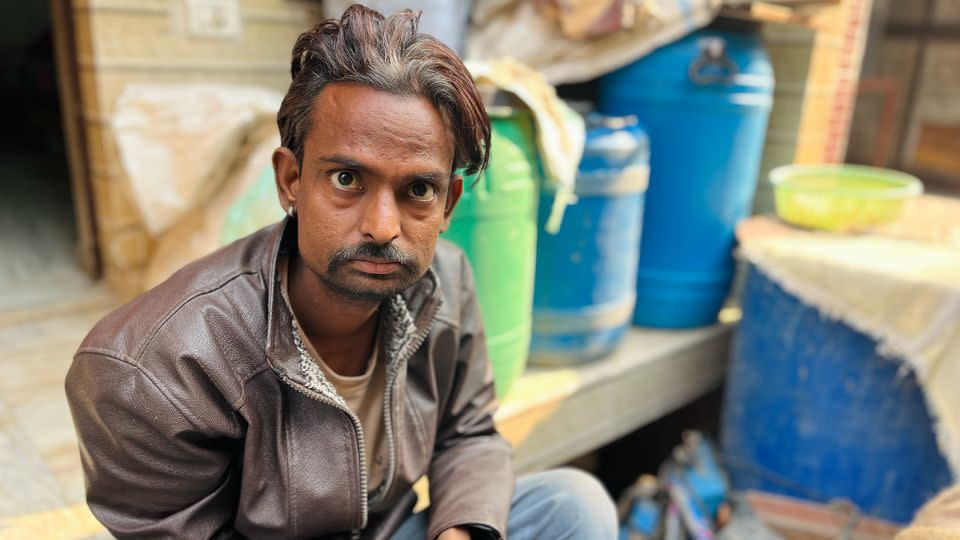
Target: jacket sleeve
(471, 475)
(151, 469)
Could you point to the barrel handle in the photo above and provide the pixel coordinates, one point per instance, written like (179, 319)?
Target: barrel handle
(713, 52)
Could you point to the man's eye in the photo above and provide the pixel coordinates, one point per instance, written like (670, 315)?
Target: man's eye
(422, 191)
(345, 180)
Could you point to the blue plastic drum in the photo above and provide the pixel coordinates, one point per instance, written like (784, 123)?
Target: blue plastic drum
(586, 274)
(812, 411)
(704, 101)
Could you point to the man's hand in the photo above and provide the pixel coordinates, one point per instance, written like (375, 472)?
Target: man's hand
(455, 533)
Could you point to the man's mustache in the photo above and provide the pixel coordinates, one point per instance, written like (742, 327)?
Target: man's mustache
(388, 252)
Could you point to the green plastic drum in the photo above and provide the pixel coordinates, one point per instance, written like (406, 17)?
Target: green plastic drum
(495, 223)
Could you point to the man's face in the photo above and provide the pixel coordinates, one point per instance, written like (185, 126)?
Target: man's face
(374, 191)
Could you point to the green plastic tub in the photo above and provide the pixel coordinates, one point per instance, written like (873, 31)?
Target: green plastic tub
(495, 223)
(841, 198)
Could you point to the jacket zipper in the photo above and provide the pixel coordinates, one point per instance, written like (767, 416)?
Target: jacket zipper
(388, 402)
(360, 444)
(337, 402)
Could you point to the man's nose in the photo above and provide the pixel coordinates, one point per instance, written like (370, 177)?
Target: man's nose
(380, 222)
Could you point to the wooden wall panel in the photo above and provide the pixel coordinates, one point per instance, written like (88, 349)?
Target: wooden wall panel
(71, 107)
(136, 41)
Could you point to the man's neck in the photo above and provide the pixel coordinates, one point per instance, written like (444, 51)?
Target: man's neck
(343, 332)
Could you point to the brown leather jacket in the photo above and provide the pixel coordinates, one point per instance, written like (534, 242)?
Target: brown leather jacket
(196, 418)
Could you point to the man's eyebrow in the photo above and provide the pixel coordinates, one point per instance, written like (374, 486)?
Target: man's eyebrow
(344, 161)
(435, 177)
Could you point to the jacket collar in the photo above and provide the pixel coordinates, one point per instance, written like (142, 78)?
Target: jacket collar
(407, 317)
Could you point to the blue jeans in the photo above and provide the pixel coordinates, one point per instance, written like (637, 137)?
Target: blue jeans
(551, 505)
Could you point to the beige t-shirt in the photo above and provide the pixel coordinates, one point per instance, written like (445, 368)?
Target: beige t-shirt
(363, 394)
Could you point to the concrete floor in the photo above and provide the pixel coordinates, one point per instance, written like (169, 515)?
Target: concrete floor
(47, 305)
(41, 485)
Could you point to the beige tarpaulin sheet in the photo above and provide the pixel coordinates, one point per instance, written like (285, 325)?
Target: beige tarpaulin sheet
(939, 519)
(201, 230)
(899, 285)
(176, 141)
(578, 40)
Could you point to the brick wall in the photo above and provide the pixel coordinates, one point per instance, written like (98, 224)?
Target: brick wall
(832, 82)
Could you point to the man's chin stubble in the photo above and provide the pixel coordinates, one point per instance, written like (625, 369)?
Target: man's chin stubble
(363, 294)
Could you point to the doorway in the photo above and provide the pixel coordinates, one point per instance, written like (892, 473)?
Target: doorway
(42, 262)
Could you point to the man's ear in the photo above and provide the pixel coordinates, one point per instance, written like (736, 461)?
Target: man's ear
(286, 172)
(453, 195)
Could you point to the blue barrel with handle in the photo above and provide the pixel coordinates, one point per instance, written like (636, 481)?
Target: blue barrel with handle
(812, 411)
(586, 273)
(704, 100)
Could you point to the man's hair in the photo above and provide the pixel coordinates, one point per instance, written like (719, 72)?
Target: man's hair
(388, 54)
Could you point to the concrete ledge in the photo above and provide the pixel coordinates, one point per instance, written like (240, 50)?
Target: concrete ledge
(553, 415)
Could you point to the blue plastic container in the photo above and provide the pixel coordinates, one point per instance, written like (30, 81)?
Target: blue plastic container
(812, 411)
(704, 101)
(586, 274)
(643, 518)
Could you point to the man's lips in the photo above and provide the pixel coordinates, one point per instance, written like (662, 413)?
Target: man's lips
(372, 265)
